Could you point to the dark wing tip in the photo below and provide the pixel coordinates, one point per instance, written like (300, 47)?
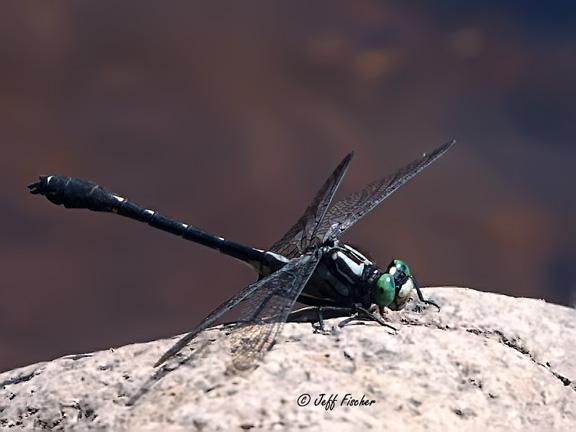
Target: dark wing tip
(345, 162)
(450, 143)
(166, 356)
(436, 153)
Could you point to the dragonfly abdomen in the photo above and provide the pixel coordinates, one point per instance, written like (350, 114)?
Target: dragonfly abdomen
(76, 193)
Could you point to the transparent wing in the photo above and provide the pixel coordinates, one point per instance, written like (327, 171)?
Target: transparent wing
(301, 235)
(266, 310)
(208, 321)
(343, 214)
(282, 284)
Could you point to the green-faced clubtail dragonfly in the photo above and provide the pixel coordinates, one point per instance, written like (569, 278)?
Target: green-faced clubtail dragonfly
(309, 264)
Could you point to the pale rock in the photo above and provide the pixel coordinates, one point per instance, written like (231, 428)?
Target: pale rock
(485, 362)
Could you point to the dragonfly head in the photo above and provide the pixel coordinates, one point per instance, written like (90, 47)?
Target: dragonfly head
(393, 288)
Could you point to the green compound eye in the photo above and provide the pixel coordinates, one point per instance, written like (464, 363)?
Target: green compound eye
(385, 290)
(402, 266)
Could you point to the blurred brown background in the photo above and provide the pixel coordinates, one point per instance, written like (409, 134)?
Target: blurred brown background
(229, 116)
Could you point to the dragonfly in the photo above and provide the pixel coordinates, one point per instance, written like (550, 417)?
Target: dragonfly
(310, 264)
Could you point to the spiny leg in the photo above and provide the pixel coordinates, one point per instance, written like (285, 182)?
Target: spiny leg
(320, 312)
(334, 312)
(421, 296)
(348, 320)
(359, 309)
(319, 325)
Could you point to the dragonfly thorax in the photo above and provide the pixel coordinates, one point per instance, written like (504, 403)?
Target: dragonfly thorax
(349, 262)
(354, 277)
(341, 277)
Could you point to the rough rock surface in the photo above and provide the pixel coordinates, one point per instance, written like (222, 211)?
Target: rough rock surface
(484, 362)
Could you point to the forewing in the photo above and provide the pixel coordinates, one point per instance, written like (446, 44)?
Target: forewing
(266, 310)
(300, 236)
(345, 213)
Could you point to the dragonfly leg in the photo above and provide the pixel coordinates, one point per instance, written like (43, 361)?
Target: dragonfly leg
(319, 325)
(330, 312)
(362, 310)
(423, 300)
(348, 320)
(421, 296)
(316, 315)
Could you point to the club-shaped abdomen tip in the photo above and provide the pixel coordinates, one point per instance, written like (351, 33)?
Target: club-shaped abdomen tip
(45, 182)
(36, 187)
(42, 185)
